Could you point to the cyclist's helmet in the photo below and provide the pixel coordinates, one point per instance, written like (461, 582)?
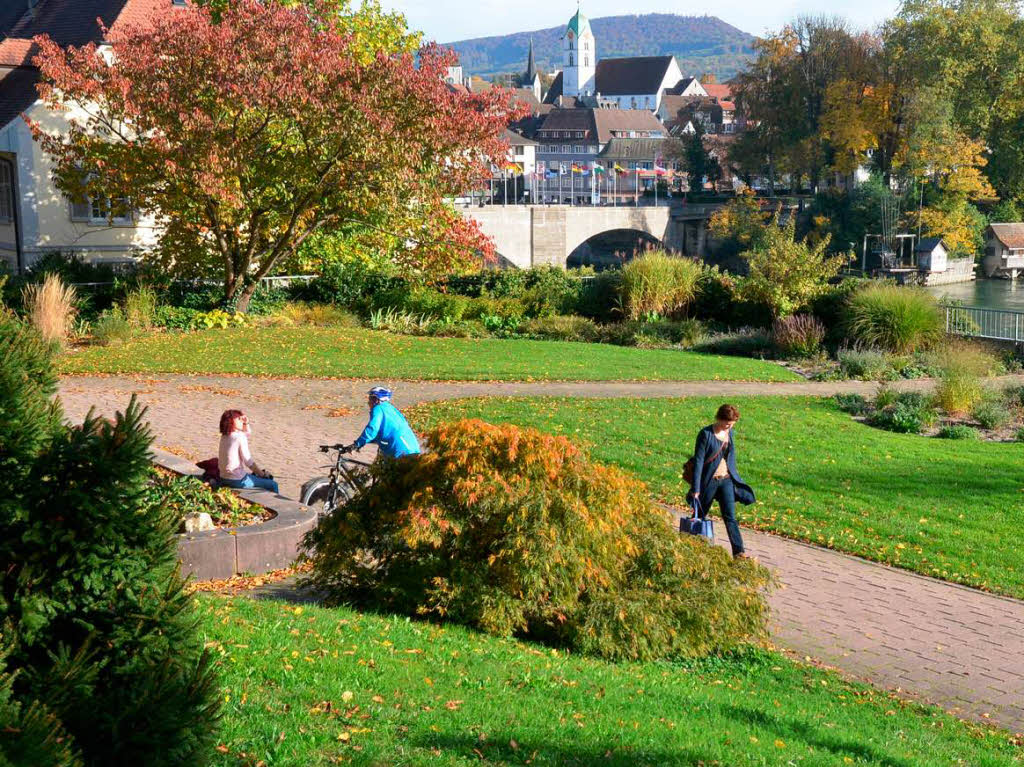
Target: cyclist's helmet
(380, 393)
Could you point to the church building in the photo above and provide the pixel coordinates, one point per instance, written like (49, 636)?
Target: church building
(635, 82)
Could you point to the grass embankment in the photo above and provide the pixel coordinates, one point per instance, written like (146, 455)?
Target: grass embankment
(944, 508)
(356, 353)
(311, 686)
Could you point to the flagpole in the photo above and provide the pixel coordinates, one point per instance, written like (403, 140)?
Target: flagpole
(636, 188)
(655, 180)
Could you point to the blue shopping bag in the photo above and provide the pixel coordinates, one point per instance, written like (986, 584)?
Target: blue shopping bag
(695, 525)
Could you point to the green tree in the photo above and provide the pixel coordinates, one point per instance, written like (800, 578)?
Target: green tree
(101, 630)
(786, 274)
(700, 165)
(29, 733)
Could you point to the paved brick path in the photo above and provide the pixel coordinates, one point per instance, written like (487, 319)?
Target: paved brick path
(950, 645)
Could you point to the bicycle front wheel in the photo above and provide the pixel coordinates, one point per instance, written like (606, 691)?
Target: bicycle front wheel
(322, 495)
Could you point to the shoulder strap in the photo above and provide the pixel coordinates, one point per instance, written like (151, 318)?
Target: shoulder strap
(718, 454)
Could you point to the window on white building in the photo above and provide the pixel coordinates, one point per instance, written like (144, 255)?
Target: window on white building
(592, 149)
(101, 211)
(6, 193)
(520, 151)
(566, 149)
(570, 60)
(577, 149)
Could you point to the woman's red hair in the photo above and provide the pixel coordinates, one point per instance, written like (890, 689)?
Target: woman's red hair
(227, 420)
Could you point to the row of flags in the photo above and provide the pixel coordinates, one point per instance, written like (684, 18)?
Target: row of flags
(583, 170)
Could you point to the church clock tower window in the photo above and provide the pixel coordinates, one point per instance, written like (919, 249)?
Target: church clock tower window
(579, 75)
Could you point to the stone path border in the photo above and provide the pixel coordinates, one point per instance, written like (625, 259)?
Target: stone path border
(221, 553)
(953, 646)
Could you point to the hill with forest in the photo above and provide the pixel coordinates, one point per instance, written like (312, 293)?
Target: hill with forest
(700, 43)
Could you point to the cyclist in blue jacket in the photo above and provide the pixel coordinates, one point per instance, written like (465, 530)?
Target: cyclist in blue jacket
(387, 429)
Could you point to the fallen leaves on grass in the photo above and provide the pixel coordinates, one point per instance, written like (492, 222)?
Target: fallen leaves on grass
(239, 583)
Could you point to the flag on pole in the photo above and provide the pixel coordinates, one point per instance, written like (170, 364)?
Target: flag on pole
(619, 169)
(576, 168)
(598, 169)
(659, 171)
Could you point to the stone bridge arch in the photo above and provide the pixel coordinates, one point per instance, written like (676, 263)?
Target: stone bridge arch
(538, 235)
(612, 248)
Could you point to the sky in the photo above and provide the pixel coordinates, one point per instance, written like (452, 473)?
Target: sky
(450, 20)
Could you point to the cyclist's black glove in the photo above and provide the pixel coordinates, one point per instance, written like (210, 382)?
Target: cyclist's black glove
(346, 449)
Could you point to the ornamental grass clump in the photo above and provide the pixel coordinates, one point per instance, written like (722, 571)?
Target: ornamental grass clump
(900, 320)
(658, 284)
(960, 387)
(50, 307)
(799, 336)
(517, 532)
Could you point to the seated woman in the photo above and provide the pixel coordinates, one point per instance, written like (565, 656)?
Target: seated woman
(235, 463)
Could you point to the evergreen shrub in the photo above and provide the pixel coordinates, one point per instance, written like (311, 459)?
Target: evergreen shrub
(517, 532)
(30, 735)
(893, 318)
(103, 632)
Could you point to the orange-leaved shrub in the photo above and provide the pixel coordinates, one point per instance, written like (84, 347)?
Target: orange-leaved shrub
(517, 532)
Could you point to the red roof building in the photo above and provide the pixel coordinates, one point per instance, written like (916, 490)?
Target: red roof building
(34, 217)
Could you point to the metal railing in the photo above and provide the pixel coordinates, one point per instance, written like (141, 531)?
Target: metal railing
(979, 322)
(281, 281)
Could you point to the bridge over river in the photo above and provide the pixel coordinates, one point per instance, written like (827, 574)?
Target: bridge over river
(541, 235)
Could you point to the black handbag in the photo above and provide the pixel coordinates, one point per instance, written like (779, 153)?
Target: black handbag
(695, 525)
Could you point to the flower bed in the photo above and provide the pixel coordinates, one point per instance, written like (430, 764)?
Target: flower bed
(189, 494)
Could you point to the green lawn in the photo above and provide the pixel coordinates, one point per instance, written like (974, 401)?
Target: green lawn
(306, 686)
(951, 509)
(358, 353)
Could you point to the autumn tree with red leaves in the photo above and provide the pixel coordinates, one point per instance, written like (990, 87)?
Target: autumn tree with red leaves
(245, 135)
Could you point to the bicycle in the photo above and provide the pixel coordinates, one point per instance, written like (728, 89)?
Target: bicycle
(346, 478)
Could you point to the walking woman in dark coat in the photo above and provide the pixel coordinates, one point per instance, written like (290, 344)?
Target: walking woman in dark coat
(715, 476)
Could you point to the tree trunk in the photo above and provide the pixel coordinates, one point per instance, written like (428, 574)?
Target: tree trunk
(242, 305)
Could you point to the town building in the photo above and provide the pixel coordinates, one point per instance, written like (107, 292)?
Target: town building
(1004, 251)
(35, 218)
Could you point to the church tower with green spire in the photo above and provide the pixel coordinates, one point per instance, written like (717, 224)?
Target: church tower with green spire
(579, 57)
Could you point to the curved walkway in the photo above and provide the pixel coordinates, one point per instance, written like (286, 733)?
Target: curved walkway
(960, 648)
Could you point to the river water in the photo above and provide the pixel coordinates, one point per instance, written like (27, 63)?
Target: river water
(989, 294)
